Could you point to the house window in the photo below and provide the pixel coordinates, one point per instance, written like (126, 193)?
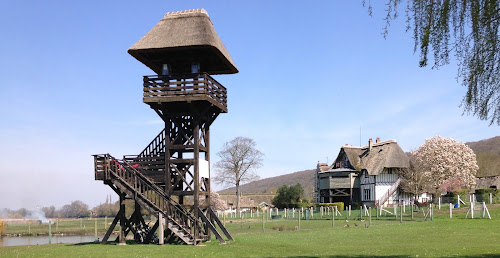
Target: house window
(367, 194)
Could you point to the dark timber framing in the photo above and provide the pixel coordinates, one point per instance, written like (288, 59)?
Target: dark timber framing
(168, 177)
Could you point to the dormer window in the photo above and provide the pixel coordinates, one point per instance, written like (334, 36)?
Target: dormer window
(195, 68)
(166, 69)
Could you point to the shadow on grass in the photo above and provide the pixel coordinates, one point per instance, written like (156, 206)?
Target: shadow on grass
(128, 242)
(305, 256)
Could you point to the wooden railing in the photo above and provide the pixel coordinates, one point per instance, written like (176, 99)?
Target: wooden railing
(156, 146)
(187, 85)
(390, 191)
(144, 189)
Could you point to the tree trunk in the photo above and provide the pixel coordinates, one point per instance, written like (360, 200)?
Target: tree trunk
(238, 196)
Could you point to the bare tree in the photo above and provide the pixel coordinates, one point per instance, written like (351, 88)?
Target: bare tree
(238, 161)
(414, 179)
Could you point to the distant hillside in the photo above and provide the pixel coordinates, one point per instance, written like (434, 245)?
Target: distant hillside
(269, 185)
(487, 155)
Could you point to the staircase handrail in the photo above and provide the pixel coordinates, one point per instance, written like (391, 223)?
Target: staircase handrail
(391, 190)
(157, 189)
(146, 152)
(152, 186)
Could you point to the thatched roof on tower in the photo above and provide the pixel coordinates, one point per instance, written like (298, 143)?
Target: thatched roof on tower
(181, 38)
(382, 155)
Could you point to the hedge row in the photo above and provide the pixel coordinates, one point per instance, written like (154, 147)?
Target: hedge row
(340, 205)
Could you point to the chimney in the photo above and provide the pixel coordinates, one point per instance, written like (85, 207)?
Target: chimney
(377, 140)
(370, 143)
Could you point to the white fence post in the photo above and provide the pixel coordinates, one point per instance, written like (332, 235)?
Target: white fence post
(439, 202)
(451, 211)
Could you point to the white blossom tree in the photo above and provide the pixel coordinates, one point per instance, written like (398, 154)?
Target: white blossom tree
(448, 164)
(215, 201)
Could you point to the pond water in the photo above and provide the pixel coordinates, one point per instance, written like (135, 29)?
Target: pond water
(42, 240)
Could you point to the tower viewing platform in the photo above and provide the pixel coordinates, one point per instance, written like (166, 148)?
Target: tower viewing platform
(184, 88)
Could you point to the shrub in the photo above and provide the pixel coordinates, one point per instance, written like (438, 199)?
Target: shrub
(340, 205)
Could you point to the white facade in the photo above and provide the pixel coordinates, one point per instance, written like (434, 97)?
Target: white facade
(373, 188)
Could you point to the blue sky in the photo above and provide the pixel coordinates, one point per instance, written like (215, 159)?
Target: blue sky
(311, 75)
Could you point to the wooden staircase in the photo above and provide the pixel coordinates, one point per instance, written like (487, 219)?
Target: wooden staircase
(126, 177)
(380, 202)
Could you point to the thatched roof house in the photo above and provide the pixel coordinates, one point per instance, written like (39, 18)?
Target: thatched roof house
(374, 157)
(247, 200)
(492, 182)
(181, 38)
(363, 174)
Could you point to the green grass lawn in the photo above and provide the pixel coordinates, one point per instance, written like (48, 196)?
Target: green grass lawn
(316, 238)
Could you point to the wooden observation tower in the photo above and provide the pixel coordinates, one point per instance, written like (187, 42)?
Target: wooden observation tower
(171, 178)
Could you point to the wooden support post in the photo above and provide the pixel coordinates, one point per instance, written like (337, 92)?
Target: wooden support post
(400, 214)
(451, 210)
(439, 202)
(196, 179)
(471, 210)
(161, 229)
(370, 215)
(349, 210)
(432, 212)
(50, 232)
(486, 210)
(95, 229)
(110, 230)
(121, 213)
(263, 227)
(299, 219)
(333, 218)
(491, 198)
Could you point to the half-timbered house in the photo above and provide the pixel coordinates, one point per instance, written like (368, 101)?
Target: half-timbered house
(372, 171)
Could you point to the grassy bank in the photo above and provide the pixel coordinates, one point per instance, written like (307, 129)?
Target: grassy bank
(83, 226)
